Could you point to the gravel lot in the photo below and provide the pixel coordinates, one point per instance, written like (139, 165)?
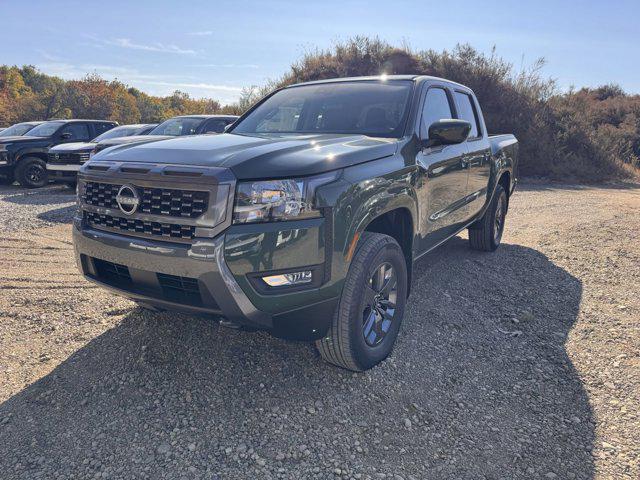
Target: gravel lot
(520, 364)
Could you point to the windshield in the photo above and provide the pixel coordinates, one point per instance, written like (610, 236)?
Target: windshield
(123, 131)
(377, 109)
(45, 129)
(16, 130)
(177, 126)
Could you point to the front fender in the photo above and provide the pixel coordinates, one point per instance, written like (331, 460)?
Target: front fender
(376, 188)
(30, 152)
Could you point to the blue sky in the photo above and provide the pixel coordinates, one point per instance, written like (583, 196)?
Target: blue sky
(213, 49)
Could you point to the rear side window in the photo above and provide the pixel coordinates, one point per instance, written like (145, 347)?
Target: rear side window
(102, 127)
(436, 107)
(467, 111)
(78, 131)
(215, 126)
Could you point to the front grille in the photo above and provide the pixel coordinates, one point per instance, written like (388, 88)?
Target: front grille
(136, 226)
(180, 289)
(68, 158)
(112, 273)
(155, 201)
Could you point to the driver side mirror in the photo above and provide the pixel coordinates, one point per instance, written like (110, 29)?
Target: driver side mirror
(447, 132)
(66, 135)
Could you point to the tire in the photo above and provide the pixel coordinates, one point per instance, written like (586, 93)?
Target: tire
(31, 172)
(360, 337)
(485, 234)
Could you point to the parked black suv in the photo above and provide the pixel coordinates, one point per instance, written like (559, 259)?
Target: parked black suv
(174, 127)
(64, 160)
(18, 129)
(23, 158)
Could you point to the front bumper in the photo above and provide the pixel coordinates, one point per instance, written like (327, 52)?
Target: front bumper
(53, 167)
(204, 261)
(62, 172)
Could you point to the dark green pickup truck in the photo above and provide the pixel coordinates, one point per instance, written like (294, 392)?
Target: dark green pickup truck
(305, 218)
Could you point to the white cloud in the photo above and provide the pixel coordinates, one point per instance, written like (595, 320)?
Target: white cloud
(156, 47)
(204, 33)
(152, 84)
(228, 65)
(199, 86)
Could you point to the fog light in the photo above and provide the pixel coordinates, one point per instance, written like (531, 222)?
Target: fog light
(288, 279)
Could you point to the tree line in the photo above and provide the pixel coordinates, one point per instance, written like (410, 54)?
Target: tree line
(590, 134)
(27, 94)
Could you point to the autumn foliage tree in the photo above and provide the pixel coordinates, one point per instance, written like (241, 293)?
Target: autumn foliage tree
(27, 94)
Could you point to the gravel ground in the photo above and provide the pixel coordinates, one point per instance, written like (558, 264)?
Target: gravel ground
(519, 364)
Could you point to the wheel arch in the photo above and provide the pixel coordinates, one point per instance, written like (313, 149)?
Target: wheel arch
(398, 223)
(36, 153)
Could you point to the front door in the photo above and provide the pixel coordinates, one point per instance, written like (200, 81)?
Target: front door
(443, 170)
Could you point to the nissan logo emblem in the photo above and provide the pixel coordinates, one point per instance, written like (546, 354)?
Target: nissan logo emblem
(128, 199)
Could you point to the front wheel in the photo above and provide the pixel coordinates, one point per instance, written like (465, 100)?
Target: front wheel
(486, 233)
(31, 172)
(368, 317)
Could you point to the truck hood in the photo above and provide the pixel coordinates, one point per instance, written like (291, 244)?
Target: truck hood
(134, 139)
(251, 157)
(73, 147)
(22, 139)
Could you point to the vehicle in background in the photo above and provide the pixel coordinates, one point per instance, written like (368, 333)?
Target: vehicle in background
(305, 218)
(18, 129)
(24, 158)
(64, 160)
(175, 127)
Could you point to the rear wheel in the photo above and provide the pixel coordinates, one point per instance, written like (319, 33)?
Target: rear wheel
(31, 172)
(368, 317)
(486, 233)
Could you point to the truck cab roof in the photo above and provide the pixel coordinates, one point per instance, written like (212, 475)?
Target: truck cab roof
(378, 78)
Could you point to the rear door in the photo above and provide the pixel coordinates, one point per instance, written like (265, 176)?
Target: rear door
(214, 125)
(100, 127)
(443, 183)
(478, 155)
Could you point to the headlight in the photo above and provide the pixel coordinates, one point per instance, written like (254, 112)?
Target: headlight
(3, 146)
(278, 200)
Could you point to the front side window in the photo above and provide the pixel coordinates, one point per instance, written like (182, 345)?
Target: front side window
(16, 130)
(436, 107)
(374, 108)
(177, 127)
(78, 131)
(467, 111)
(45, 129)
